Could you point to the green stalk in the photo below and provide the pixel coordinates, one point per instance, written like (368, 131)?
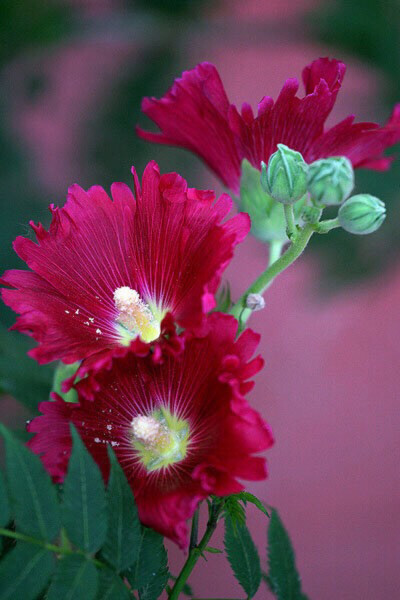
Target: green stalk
(290, 221)
(325, 226)
(239, 310)
(197, 551)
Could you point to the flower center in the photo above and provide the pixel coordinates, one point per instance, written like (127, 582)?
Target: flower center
(134, 316)
(161, 439)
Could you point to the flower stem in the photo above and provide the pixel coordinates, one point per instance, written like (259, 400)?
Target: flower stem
(51, 547)
(197, 551)
(290, 222)
(259, 286)
(325, 226)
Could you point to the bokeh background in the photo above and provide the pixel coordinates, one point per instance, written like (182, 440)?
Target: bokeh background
(72, 75)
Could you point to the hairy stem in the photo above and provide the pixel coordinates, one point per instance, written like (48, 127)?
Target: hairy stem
(197, 551)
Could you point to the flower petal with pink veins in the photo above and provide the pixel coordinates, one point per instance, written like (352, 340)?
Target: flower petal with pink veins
(196, 114)
(109, 270)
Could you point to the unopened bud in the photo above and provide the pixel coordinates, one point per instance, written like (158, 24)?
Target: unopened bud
(330, 180)
(268, 221)
(255, 302)
(285, 178)
(362, 214)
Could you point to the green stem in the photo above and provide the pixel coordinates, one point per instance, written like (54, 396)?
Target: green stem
(197, 551)
(239, 309)
(291, 225)
(51, 547)
(325, 226)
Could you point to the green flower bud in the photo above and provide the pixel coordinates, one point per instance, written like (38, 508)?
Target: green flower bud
(330, 180)
(362, 214)
(285, 179)
(268, 221)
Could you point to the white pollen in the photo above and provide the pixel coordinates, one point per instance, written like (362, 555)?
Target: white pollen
(114, 443)
(97, 440)
(99, 331)
(147, 429)
(86, 323)
(134, 314)
(109, 427)
(77, 311)
(67, 311)
(91, 319)
(125, 297)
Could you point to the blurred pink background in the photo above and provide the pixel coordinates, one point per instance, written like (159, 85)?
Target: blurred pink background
(330, 386)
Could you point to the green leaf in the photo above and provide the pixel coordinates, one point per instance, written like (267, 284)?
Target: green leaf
(75, 579)
(4, 503)
(20, 375)
(124, 531)
(243, 556)
(84, 502)
(283, 578)
(33, 497)
(151, 559)
(111, 587)
(24, 572)
(247, 497)
(156, 585)
(62, 373)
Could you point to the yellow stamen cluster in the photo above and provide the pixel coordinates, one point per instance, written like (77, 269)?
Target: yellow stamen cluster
(160, 439)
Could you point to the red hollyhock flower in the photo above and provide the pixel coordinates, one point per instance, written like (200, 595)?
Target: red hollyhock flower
(196, 114)
(181, 429)
(108, 271)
